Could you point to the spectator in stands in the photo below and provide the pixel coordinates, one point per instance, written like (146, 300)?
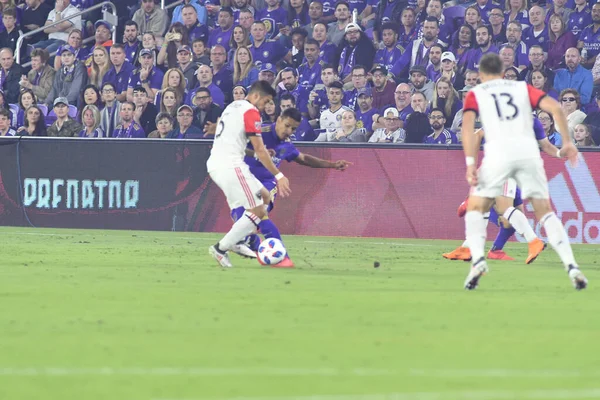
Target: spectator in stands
(194, 28)
(558, 8)
(434, 69)
(148, 76)
(10, 34)
(164, 125)
(109, 116)
(496, 18)
(421, 10)
(359, 81)
(265, 51)
(296, 55)
(270, 114)
(199, 55)
(244, 71)
(119, 72)
(145, 111)
(34, 16)
(26, 99)
(222, 75)
(64, 126)
(176, 37)
(462, 42)
(148, 43)
(537, 32)
(327, 50)
(383, 89)
(103, 39)
(246, 18)
(511, 74)
(90, 117)
(446, 98)
(200, 11)
(274, 16)
(485, 8)
(402, 101)
(539, 80)
(128, 128)
(391, 132)
(420, 83)
(239, 93)
(408, 29)
(309, 72)
(516, 10)
(484, 45)
(3, 103)
(549, 129)
(440, 135)
(570, 102)
(222, 35)
(58, 34)
(394, 11)
(434, 10)
(304, 132)
(10, 75)
(318, 99)
(449, 68)
(364, 111)
(593, 121)
(41, 76)
(507, 55)
(90, 95)
(70, 79)
(206, 113)
(169, 103)
(239, 6)
(560, 40)
(337, 30)
(471, 78)
(356, 49)
(347, 132)
(589, 39)
(417, 52)
(330, 118)
(267, 73)
(297, 14)
(34, 124)
(175, 81)
(5, 129)
(131, 43)
(582, 136)
(536, 63)
(417, 123)
(514, 34)
(100, 66)
(315, 14)
(185, 129)
(151, 18)
(473, 16)
(205, 79)
(575, 77)
(186, 67)
(75, 40)
(391, 50)
(579, 18)
(240, 37)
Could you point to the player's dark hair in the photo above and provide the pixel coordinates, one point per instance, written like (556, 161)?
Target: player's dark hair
(491, 64)
(262, 88)
(292, 113)
(289, 97)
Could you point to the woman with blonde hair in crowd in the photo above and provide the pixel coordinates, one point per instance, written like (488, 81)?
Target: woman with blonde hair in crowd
(583, 136)
(446, 98)
(516, 10)
(240, 37)
(90, 118)
(34, 123)
(100, 65)
(244, 72)
(175, 80)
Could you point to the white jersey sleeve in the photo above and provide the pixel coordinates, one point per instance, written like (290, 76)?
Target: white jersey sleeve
(505, 109)
(239, 121)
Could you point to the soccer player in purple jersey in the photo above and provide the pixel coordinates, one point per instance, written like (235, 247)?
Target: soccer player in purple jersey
(277, 141)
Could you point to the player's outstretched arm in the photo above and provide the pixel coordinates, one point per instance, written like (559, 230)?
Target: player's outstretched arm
(283, 184)
(314, 162)
(552, 107)
(548, 147)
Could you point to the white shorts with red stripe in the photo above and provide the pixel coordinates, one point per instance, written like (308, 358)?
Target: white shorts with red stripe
(500, 178)
(240, 187)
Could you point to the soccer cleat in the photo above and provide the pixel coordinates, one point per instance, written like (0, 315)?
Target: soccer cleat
(285, 263)
(461, 253)
(222, 258)
(536, 246)
(579, 280)
(478, 269)
(243, 250)
(499, 255)
(462, 209)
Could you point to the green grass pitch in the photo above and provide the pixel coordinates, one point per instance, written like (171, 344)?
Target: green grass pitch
(127, 315)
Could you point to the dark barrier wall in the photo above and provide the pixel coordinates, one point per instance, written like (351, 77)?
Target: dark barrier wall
(388, 192)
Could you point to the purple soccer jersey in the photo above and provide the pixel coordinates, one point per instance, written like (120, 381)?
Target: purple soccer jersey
(446, 137)
(155, 78)
(133, 131)
(591, 40)
(541, 39)
(119, 80)
(131, 51)
(269, 51)
(579, 20)
(218, 36)
(389, 57)
(273, 20)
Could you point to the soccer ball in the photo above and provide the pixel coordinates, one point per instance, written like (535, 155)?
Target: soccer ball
(271, 251)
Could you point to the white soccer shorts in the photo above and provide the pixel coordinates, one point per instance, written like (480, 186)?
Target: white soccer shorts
(528, 174)
(240, 187)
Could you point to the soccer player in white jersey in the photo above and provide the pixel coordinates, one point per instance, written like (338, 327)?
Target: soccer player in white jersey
(240, 123)
(510, 151)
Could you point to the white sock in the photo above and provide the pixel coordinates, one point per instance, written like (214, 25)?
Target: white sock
(486, 217)
(558, 238)
(475, 231)
(243, 227)
(519, 221)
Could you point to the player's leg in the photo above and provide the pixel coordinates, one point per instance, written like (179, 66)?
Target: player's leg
(534, 184)
(249, 245)
(497, 252)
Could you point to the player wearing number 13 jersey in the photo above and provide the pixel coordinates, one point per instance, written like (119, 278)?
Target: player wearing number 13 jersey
(510, 151)
(240, 123)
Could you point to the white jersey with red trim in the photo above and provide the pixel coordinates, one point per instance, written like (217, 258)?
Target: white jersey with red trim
(239, 121)
(505, 108)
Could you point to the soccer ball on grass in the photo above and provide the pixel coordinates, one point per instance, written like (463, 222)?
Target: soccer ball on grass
(271, 251)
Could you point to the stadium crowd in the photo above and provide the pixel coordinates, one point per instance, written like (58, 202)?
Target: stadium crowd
(391, 71)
